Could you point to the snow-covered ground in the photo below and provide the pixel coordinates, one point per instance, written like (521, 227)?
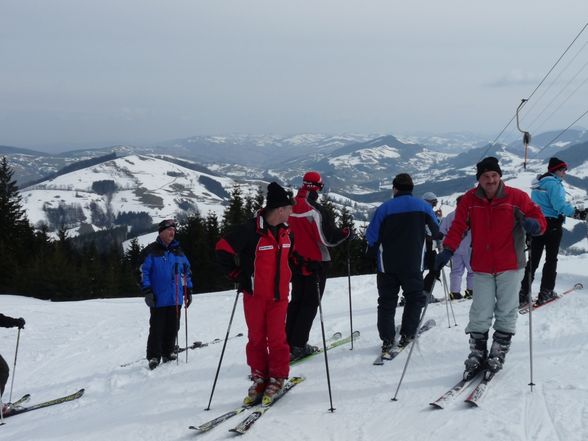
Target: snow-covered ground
(67, 346)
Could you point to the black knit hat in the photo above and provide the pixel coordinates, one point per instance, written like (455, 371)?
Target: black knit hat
(278, 197)
(556, 164)
(487, 164)
(403, 182)
(167, 223)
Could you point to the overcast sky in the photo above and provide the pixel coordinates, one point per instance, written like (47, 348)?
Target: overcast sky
(89, 72)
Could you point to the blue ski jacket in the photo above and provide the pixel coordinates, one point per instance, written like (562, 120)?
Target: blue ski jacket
(548, 192)
(396, 234)
(159, 268)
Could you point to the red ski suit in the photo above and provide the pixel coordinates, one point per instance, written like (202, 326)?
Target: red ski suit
(255, 255)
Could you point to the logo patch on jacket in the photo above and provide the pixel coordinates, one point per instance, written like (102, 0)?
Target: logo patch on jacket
(266, 247)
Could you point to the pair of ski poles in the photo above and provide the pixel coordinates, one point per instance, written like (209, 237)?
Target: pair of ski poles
(318, 290)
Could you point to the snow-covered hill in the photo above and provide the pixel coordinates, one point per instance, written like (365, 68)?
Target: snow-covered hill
(143, 183)
(70, 345)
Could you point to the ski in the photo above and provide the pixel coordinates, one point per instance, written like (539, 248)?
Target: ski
(205, 427)
(452, 393)
(246, 424)
(335, 341)
(479, 391)
(19, 410)
(194, 345)
(525, 309)
(380, 360)
(8, 407)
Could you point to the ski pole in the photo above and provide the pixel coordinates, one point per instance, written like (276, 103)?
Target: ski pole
(349, 288)
(186, 306)
(14, 367)
(530, 300)
(177, 324)
(223, 350)
(421, 321)
(318, 293)
(447, 299)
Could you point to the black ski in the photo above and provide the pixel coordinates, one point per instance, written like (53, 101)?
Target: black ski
(19, 410)
(209, 425)
(380, 360)
(205, 427)
(525, 309)
(194, 345)
(246, 424)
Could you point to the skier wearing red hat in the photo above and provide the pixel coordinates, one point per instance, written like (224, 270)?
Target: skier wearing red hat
(314, 232)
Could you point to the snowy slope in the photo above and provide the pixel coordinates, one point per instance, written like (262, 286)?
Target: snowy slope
(158, 187)
(66, 346)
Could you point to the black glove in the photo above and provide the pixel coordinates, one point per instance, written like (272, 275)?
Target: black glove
(580, 214)
(532, 226)
(313, 266)
(149, 297)
(188, 299)
(19, 323)
(442, 258)
(372, 252)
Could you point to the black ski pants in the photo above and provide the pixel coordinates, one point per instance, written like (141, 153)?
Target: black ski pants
(549, 242)
(303, 306)
(164, 325)
(4, 370)
(388, 288)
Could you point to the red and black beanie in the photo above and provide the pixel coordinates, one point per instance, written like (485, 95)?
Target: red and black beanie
(556, 164)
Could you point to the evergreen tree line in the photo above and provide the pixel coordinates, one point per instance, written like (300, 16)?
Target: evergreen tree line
(94, 265)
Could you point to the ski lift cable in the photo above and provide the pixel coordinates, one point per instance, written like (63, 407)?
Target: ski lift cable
(539, 85)
(555, 80)
(561, 133)
(565, 100)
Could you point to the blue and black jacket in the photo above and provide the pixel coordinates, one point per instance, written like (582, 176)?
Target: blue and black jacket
(396, 234)
(158, 272)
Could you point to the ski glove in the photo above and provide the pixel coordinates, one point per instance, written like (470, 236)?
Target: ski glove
(580, 214)
(19, 323)
(149, 297)
(532, 226)
(442, 258)
(188, 299)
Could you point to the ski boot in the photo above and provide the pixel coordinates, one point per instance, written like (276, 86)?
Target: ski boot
(153, 363)
(273, 388)
(498, 350)
(298, 352)
(523, 299)
(468, 294)
(545, 296)
(478, 353)
(170, 357)
(455, 296)
(405, 340)
(387, 346)
(256, 390)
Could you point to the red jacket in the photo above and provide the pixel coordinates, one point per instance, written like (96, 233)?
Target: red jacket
(498, 237)
(314, 229)
(256, 259)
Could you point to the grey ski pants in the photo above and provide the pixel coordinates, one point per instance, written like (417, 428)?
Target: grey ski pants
(495, 296)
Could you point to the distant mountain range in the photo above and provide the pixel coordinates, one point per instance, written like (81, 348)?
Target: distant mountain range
(197, 173)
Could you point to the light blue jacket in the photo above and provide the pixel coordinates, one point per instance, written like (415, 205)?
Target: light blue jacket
(548, 192)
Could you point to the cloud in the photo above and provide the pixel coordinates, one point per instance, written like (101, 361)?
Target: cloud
(516, 78)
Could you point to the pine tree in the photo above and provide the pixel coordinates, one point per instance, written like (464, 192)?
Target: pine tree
(16, 234)
(235, 213)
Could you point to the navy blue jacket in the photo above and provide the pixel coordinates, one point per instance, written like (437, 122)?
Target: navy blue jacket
(396, 234)
(158, 272)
